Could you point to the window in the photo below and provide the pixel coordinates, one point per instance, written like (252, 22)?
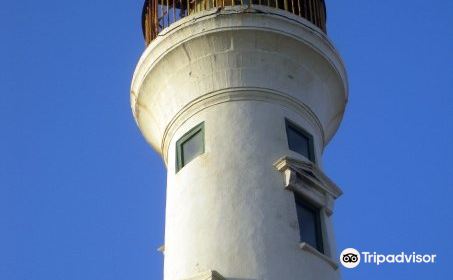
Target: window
(309, 224)
(190, 146)
(300, 141)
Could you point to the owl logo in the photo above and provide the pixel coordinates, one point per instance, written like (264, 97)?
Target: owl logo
(350, 258)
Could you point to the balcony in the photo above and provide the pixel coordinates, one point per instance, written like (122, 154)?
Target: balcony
(159, 14)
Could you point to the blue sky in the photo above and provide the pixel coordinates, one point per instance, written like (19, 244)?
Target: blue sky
(82, 194)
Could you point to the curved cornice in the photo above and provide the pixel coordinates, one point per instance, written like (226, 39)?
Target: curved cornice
(303, 30)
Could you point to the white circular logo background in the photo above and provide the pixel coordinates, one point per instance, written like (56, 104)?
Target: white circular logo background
(350, 258)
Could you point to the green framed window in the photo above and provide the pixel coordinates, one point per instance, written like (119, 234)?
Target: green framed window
(190, 146)
(299, 140)
(309, 218)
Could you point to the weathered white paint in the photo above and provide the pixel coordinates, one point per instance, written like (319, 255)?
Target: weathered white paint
(242, 72)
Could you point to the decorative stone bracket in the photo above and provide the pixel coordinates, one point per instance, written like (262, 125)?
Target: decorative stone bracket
(305, 178)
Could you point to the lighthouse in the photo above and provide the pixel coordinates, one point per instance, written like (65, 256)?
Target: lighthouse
(240, 98)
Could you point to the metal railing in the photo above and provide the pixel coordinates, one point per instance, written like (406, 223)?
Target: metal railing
(159, 14)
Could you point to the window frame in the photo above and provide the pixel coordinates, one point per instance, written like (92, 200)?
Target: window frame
(183, 139)
(300, 201)
(304, 178)
(311, 147)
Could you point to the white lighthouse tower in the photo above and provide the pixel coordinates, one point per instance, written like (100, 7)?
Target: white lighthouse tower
(240, 99)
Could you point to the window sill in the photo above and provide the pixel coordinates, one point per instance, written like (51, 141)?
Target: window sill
(306, 247)
(209, 275)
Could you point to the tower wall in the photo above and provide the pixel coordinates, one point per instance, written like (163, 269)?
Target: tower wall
(227, 210)
(241, 72)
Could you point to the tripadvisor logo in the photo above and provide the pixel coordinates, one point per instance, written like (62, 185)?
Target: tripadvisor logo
(351, 258)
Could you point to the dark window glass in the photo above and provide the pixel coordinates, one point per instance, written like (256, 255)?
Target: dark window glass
(309, 224)
(299, 141)
(190, 146)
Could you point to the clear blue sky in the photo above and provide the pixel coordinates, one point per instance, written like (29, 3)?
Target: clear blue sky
(82, 194)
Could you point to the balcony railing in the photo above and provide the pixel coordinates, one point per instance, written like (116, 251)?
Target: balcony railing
(159, 14)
